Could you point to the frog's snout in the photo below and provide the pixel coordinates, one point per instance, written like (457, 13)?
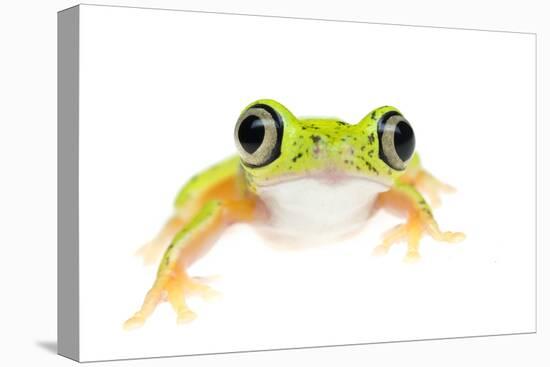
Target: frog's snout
(332, 176)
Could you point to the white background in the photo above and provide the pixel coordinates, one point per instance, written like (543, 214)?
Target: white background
(159, 104)
(29, 192)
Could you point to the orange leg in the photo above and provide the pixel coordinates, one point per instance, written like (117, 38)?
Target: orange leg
(192, 198)
(192, 241)
(423, 181)
(151, 250)
(404, 198)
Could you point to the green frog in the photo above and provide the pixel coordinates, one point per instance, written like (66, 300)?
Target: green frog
(301, 179)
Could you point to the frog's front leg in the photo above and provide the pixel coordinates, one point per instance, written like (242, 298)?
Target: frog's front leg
(151, 250)
(404, 198)
(417, 176)
(172, 282)
(424, 181)
(213, 183)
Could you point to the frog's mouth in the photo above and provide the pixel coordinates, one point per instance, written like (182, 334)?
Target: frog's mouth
(328, 177)
(336, 177)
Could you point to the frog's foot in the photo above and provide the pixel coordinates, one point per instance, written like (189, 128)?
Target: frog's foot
(195, 286)
(390, 238)
(150, 252)
(432, 187)
(416, 225)
(172, 287)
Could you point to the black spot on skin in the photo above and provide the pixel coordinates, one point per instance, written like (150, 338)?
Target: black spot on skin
(294, 143)
(371, 138)
(355, 138)
(343, 139)
(341, 122)
(303, 127)
(362, 148)
(346, 161)
(298, 156)
(371, 168)
(358, 168)
(373, 115)
(315, 138)
(370, 153)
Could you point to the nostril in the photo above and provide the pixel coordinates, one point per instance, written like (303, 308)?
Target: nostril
(316, 151)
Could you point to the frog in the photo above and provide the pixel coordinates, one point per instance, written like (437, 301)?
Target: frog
(296, 178)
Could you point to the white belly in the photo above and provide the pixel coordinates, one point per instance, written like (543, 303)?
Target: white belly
(312, 209)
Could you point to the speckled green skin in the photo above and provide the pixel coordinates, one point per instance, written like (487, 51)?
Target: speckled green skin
(313, 145)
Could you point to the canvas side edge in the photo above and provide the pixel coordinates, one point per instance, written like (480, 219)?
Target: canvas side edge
(68, 333)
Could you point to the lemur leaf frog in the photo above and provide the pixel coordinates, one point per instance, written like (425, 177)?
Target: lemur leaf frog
(296, 177)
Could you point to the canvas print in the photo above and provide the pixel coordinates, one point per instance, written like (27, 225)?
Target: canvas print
(236, 183)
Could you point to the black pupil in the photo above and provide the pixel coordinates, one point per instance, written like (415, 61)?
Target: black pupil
(251, 133)
(404, 140)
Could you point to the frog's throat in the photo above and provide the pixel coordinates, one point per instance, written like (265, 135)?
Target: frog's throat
(313, 209)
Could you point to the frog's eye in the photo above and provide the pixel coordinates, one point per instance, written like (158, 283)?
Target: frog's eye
(396, 140)
(258, 135)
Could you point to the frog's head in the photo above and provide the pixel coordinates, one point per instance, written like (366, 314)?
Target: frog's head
(275, 146)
